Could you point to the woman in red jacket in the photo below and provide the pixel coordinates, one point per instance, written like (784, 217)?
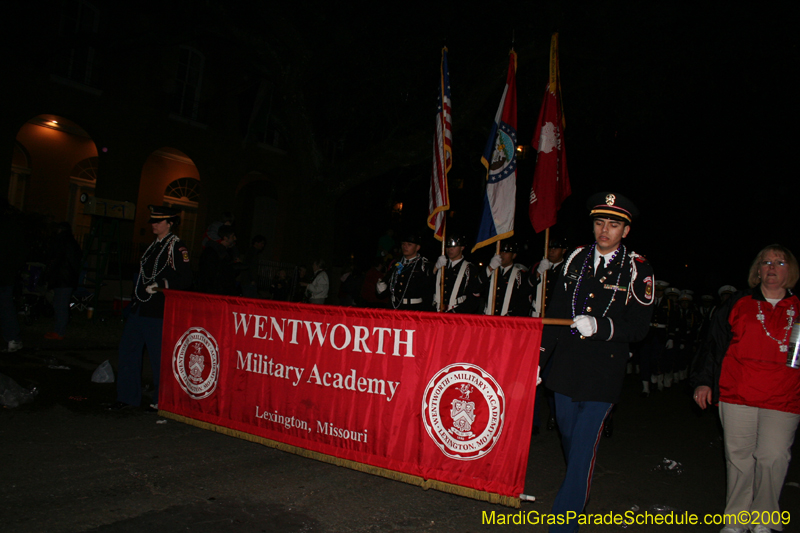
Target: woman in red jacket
(743, 368)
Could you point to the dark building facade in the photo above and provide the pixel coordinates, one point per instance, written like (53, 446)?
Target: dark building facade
(173, 103)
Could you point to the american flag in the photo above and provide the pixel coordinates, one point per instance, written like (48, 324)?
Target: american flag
(439, 197)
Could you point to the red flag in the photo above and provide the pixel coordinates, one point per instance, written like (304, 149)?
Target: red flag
(439, 197)
(550, 179)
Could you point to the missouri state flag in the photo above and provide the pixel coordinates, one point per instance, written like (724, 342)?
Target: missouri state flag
(500, 160)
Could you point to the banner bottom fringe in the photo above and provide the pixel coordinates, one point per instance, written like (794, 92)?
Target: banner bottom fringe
(425, 484)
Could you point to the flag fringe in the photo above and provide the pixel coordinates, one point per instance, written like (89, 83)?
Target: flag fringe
(425, 484)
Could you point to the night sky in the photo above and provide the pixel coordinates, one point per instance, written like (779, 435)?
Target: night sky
(688, 112)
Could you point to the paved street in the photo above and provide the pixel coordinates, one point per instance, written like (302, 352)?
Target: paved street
(69, 465)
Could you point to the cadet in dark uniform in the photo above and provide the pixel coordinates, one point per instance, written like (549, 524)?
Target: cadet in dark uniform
(659, 336)
(688, 325)
(409, 281)
(607, 290)
(461, 285)
(512, 290)
(549, 268)
(164, 265)
(550, 264)
(664, 365)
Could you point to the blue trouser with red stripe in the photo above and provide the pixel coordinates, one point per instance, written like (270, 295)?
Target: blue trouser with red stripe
(139, 332)
(581, 425)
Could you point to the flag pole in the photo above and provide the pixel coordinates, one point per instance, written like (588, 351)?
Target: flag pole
(441, 270)
(493, 289)
(543, 283)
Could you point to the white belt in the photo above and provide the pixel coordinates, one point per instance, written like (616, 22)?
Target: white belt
(460, 300)
(412, 301)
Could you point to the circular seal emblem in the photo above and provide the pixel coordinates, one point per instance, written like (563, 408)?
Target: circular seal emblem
(463, 410)
(195, 363)
(504, 159)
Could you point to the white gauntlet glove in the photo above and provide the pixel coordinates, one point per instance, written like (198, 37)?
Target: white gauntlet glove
(544, 264)
(494, 264)
(381, 287)
(585, 324)
(440, 262)
(151, 289)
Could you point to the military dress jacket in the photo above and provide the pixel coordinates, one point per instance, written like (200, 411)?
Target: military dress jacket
(465, 298)
(620, 297)
(409, 285)
(513, 291)
(165, 263)
(550, 283)
(664, 324)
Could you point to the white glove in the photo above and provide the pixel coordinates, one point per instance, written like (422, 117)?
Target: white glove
(381, 287)
(440, 262)
(538, 375)
(495, 262)
(544, 264)
(670, 344)
(151, 289)
(585, 324)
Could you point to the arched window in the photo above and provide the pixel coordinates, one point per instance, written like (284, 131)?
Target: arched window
(185, 194)
(86, 170)
(184, 190)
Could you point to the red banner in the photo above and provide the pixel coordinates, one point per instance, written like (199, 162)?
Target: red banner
(441, 397)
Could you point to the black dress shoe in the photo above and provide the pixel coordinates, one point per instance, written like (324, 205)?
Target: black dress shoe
(608, 428)
(551, 423)
(120, 406)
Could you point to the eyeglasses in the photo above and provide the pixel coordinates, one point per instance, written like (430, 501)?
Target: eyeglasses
(773, 263)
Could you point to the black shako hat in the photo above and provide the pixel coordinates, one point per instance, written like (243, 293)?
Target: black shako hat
(509, 245)
(455, 240)
(412, 237)
(611, 205)
(162, 212)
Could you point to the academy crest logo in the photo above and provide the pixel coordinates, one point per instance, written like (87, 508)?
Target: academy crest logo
(463, 410)
(195, 363)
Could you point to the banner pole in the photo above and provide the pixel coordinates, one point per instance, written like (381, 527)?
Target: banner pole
(557, 321)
